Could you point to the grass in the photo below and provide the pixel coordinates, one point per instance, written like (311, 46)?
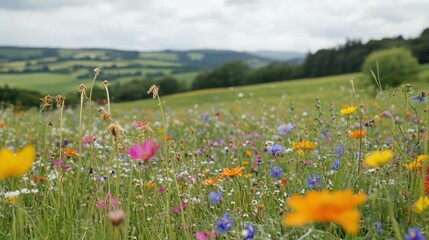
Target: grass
(200, 134)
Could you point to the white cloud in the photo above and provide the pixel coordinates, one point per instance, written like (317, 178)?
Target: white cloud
(221, 24)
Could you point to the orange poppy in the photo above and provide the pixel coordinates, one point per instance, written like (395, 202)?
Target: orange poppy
(231, 172)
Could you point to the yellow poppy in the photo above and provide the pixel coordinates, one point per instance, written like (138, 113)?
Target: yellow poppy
(16, 164)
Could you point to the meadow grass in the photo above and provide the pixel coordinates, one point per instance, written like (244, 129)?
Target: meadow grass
(68, 195)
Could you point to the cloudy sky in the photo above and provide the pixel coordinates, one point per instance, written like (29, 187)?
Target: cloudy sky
(287, 25)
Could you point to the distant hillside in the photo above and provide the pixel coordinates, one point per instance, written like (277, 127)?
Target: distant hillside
(290, 57)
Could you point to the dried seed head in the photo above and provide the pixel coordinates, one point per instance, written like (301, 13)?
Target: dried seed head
(154, 90)
(116, 217)
(46, 100)
(60, 101)
(114, 130)
(82, 89)
(97, 71)
(105, 83)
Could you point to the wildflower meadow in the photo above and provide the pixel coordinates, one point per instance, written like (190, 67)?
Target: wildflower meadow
(355, 169)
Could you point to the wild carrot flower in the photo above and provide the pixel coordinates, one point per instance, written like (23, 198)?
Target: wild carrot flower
(348, 110)
(224, 224)
(414, 234)
(143, 151)
(285, 128)
(205, 235)
(303, 145)
(339, 207)
(16, 164)
(421, 204)
(378, 158)
(231, 172)
(276, 172)
(357, 134)
(248, 232)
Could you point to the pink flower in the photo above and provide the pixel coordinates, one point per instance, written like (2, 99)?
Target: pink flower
(143, 151)
(107, 202)
(181, 207)
(205, 235)
(139, 124)
(87, 140)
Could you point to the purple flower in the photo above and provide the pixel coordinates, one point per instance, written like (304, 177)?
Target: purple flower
(378, 228)
(215, 197)
(386, 113)
(248, 232)
(276, 172)
(205, 235)
(285, 128)
(224, 224)
(418, 99)
(59, 164)
(313, 181)
(335, 165)
(276, 148)
(143, 151)
(414, 234)
(339, 150)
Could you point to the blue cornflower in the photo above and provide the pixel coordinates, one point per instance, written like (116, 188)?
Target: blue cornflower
(215, 197)
(276, 172)
(414, 234)
(378, 228)
(224, 224)
(335, 165)
(276, 148)
(285, 128)
(339, 151)
(248, 232)
(418, 99)
(313, 181)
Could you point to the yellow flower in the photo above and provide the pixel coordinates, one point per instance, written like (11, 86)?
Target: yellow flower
(421, 204)
(248, 175)
(348, 111)
(16, 164)
(378, 158)
(339, 207)
(417, 163)
(149, 185)
(231, 172)
(2, 124)
(303, 145)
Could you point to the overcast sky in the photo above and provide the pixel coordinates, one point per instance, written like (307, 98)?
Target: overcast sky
(299, 25)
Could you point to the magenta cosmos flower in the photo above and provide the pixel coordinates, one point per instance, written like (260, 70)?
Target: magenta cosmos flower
(144, 151)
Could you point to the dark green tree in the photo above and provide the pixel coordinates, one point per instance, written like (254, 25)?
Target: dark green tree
(395, 66)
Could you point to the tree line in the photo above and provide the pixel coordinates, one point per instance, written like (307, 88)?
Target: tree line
(342, 59)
